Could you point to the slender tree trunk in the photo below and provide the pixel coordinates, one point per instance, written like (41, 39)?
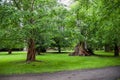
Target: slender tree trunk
(37, 49)
(116, 50)
(107, 48)
(59, 48)
(10, 51)
(31, 50)
(43, 49)
(38, 52)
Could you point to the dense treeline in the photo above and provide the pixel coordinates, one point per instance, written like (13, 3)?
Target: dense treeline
(41, 24)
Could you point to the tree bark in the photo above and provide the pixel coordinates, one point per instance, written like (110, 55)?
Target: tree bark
(31, 50)
(80, 50)
(59, 48)
(116, 50)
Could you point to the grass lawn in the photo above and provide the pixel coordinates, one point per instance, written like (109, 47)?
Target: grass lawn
(51, 62)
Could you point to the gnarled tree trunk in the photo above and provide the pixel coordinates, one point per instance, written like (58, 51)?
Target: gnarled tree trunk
(31, 50)
(80, 50)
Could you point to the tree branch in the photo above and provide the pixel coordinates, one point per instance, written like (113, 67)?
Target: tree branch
(16, 4)
(32, 5)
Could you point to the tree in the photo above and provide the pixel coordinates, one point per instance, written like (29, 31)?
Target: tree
(43, 42)
(109, 24)
(60, 38)
(82, 12)
(95, 18)
(31, 17)
(10, 32)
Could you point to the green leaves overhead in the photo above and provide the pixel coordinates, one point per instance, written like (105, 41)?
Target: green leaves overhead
(96, 21)
(24, 19)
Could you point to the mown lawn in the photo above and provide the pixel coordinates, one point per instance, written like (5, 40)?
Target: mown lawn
(51, 62)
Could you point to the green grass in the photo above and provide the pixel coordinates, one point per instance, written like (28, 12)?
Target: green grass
(15, 63)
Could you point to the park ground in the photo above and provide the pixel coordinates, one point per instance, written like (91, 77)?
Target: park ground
(108, 73)
(53, 62)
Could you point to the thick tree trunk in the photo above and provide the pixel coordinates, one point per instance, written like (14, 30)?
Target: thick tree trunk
(80, 50)
(116, 50)
(9, 51)
(31, 50)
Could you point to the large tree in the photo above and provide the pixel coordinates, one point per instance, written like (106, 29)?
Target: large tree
(83, 21)
(30, 16)
(95, 18)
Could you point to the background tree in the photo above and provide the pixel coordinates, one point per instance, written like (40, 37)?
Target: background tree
(43, 42)
(109, 24)
(10, 32)
(60, 38)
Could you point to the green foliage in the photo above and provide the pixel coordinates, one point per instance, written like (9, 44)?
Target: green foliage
(43, 42)
(20, 21)
(93, 21)
(109, 22)
(97, 20)
(61, 35)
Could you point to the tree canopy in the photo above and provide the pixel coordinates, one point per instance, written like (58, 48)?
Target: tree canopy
(90, 24)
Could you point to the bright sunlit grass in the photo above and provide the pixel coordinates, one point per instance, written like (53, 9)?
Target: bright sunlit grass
(51, 62)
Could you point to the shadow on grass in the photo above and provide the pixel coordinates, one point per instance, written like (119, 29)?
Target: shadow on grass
(28, 62)
(10, 54)
(57, 53)
(41, 54)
